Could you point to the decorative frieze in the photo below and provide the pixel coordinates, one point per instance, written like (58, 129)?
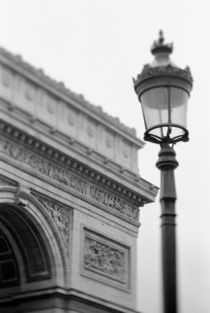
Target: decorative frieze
(105, 259)
(60, 214)
(116, 204)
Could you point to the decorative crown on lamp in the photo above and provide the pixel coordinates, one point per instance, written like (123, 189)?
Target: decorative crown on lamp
(163, 90)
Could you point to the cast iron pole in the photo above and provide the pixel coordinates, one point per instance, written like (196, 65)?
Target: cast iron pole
(167, 163)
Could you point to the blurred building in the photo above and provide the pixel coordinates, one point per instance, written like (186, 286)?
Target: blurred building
(70, 193)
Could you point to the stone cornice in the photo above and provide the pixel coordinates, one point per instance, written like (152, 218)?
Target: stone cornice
(67, 171)
(61, 88)
(23, 120)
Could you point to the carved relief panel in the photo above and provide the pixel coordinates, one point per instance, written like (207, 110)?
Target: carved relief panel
(60, 214)
(105, 260)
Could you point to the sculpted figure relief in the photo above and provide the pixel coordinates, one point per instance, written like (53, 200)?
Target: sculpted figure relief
(60, 215)
(104, 259)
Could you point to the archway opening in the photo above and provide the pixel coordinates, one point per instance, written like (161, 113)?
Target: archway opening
(24, 254)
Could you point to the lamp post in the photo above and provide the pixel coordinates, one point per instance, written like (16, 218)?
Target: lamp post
(163, 90)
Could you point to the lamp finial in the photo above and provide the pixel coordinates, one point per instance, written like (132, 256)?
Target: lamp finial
(161, 38)
(160, 46)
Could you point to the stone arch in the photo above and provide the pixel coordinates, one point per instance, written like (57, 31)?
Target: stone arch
(36, 243)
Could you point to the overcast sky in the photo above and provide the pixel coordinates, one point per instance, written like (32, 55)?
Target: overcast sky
(95, 47)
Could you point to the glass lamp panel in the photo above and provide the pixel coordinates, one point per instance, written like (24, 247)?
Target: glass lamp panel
(176, 132)
(155, 106)
(179, 101)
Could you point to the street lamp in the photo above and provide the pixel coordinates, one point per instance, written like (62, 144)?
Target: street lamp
(163, 90)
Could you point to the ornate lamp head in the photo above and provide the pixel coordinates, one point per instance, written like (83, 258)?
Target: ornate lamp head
(163, 90)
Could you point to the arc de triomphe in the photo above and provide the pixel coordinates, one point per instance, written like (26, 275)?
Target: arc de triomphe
(70, 193)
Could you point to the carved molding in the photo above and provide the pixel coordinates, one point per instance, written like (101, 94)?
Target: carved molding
(117, 204)
(105, 259)
(60, 214)
(4, 181)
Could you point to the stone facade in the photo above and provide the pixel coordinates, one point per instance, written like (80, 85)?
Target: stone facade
(70, 193)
